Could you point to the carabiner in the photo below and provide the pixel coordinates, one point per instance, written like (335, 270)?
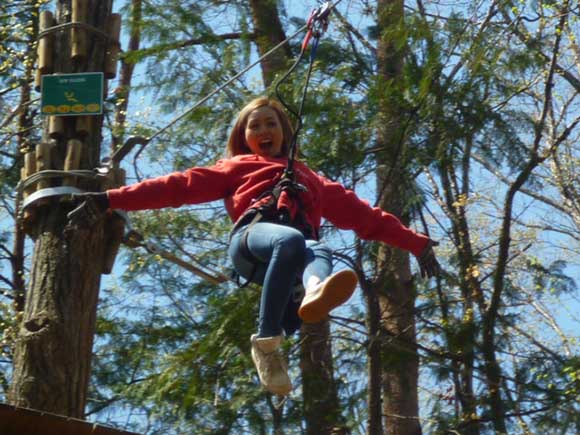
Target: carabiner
(317, 22)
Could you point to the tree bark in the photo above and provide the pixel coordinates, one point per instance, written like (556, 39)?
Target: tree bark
(53, 351)
(374, 365)
(321, 405)
(397, 294)
(123, 91)
(269, 33)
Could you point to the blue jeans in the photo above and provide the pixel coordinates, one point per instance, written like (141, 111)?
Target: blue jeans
(284, 259)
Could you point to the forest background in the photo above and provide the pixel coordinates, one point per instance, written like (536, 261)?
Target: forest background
(459, 117)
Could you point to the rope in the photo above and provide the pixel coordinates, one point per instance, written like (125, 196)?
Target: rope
(227, 83)
(317, 23)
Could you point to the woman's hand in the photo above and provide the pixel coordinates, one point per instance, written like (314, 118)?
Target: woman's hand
(92, 207)
(428, 263)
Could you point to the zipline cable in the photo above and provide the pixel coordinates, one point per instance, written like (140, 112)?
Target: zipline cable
(227, 83)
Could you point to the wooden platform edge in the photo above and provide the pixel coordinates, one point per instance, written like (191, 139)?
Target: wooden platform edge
(24, 421)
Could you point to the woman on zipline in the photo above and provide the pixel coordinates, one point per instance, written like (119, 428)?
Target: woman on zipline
(274, 241)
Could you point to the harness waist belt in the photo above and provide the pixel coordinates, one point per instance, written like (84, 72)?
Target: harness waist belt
(280, 217)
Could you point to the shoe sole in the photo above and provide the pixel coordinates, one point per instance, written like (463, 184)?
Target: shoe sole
(279, 390)
(335, 292)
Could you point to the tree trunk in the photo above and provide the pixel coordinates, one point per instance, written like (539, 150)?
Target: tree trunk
(123, 91)
(321, 405)
(397, 300)
(53, 352)
(399, 356)
(374, 365)
(471, 293)
(269, 33)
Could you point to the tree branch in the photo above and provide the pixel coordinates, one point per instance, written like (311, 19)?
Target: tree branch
(144, 52)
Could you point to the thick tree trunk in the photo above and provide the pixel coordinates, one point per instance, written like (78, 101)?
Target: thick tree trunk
(53, 352)
(397, 300)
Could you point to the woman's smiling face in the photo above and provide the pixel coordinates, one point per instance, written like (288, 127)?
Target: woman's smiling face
(263, 132)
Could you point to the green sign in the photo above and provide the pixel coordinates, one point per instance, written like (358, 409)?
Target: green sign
(72, 94)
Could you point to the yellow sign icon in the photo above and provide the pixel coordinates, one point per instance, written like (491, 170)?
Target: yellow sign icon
(78, 108)
(49, 109)
(93, 108)
(70, 96)
(63, 108)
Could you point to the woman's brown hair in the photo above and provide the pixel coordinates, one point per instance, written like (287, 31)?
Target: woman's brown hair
(237, 142)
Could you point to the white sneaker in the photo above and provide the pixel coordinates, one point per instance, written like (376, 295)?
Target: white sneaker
(325, 296)
(271, 366)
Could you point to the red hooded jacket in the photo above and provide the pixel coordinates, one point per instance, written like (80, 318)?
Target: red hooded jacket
(241, 179)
